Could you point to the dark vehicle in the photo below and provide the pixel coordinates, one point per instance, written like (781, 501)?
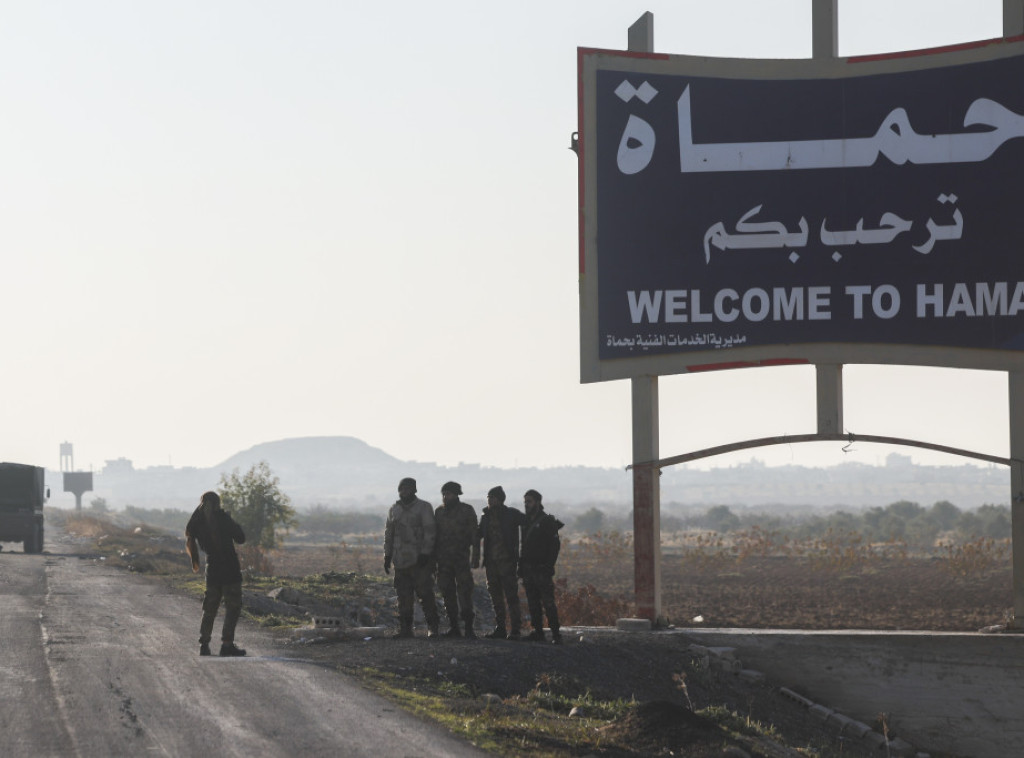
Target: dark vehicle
(22, 495)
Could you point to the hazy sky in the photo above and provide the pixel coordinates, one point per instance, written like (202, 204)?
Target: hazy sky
(231, 222)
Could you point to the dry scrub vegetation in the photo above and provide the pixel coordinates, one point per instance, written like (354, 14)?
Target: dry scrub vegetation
(757, 578)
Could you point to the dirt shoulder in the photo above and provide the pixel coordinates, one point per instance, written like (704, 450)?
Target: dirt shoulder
(662, 670)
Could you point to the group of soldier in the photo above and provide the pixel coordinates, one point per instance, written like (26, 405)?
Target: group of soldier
(421, 541)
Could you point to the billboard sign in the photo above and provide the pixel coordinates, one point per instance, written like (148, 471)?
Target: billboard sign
(743, 212)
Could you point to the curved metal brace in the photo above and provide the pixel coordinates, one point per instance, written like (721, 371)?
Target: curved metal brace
(848, 438)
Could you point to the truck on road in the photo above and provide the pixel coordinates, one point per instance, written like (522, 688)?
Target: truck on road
(23, 493)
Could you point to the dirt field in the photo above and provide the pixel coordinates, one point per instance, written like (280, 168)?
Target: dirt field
(596, 587)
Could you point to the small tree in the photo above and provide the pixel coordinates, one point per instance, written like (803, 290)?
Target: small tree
(944, 515)
(905, 509)
(720, 518)
(590, 521)
(257, 504)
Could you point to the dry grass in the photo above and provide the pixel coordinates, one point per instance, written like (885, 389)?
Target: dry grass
(142, 548)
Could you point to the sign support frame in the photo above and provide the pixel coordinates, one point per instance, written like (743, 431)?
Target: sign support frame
(646, 465)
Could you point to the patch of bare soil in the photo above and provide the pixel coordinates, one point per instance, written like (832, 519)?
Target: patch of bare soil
(648, 668)
(658, 724)
(780, 593)
(914, 593)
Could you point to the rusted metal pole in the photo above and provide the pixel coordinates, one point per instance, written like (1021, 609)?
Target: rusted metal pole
(646, 542)
(830, 398)
(825, 28)
(1013, 18)
(1016, 387)
(646, 499)
(640, 36)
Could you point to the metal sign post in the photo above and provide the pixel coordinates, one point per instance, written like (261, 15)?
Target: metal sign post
(646, 473)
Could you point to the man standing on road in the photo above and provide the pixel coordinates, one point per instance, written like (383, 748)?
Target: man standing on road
(409, 542)
(499, 529)
(456, 535)
(541, 545)
(216, 532)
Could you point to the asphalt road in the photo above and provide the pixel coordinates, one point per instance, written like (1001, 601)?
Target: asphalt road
(95, 661)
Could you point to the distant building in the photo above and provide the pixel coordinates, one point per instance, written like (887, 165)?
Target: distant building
(897, 460)
(118, 466)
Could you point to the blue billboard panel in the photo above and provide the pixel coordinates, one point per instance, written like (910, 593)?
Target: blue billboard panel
(866, 206)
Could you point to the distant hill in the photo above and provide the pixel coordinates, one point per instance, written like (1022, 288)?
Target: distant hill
(345, 472)
(313, 458)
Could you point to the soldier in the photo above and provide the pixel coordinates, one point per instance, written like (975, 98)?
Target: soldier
(499, 529)
(456, 534)
(541, 544)
(216, 532)
(409, 541)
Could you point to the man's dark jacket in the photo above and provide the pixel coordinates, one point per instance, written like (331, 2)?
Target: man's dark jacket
(222, 566)
(541, 543)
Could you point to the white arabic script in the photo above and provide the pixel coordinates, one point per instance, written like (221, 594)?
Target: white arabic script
(895, 139)
(765, 235)
(717, 341)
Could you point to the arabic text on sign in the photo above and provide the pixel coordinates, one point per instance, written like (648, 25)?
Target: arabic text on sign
(895, 139)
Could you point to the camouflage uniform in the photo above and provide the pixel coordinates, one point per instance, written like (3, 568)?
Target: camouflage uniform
(409, 542)
(541, 545)
(456, 536)
(499, 530)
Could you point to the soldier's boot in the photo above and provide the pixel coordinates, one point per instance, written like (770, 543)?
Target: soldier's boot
(499, 632)
(470, 634)
(517, 624)
(204, 648)
(453, 627)
(404, 628)
(433, 620)
(536, 621)
(231, 650)
(556, 627)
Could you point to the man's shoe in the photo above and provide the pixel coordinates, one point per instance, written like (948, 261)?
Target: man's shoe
(536, 635)
(556, 638)
(432, 630)
(453, 632)
(498, 633)
(204, 648)
(514, 635)
(231, 650)
(470, 634)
